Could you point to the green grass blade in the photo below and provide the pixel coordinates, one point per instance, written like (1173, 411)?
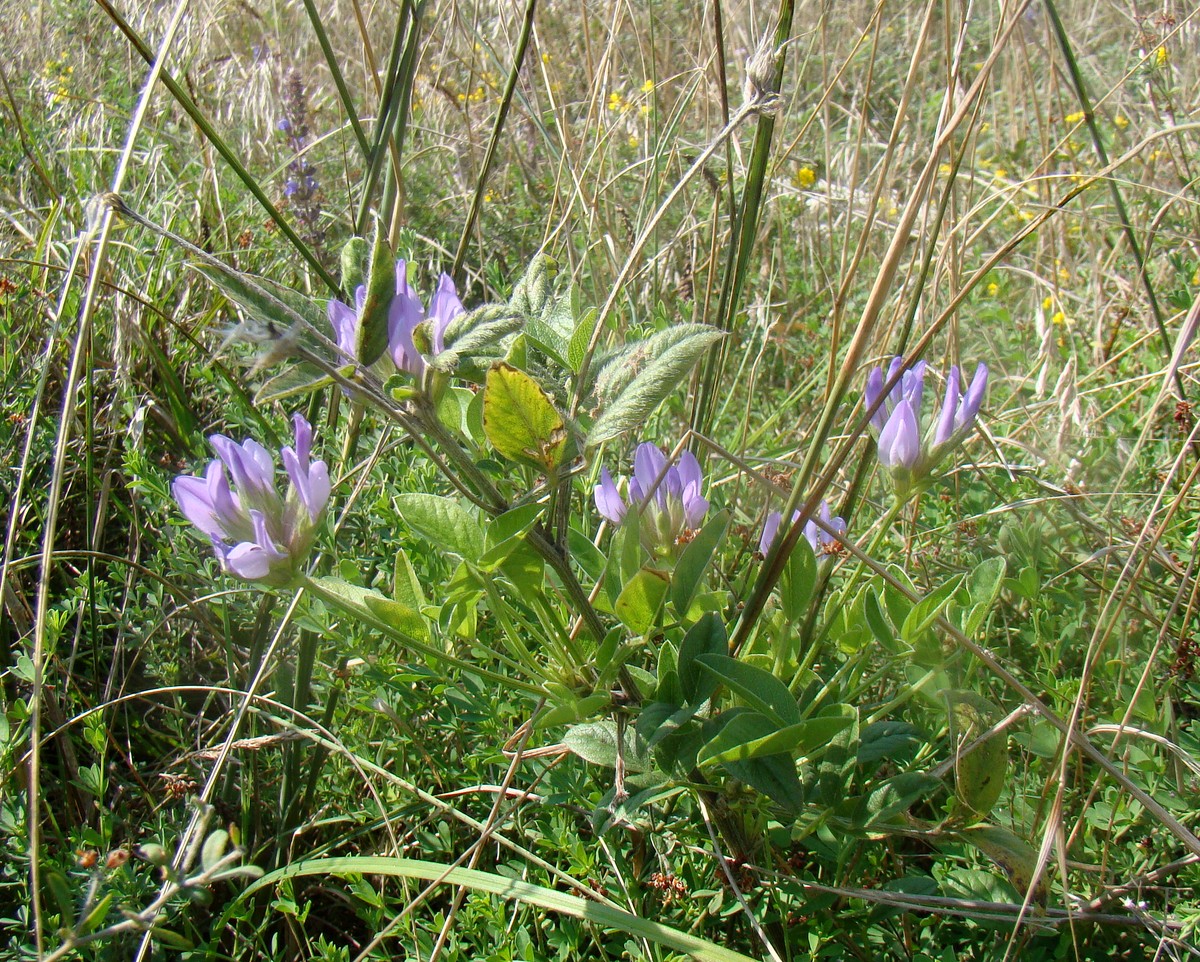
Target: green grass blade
(507, 888)
(335, 71)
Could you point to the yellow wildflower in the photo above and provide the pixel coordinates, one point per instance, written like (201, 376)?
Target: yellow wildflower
(648, 86)
(1121, 121)
(1074, 118)
(805, 178)
(614, 101)
(1161, 57)
(993, 289)
(1058, 317)
(1047, 302)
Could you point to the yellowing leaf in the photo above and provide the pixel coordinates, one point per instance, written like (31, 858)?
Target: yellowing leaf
(520, 420)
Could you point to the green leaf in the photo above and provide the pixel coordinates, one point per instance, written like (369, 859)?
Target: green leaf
(371, 336)
(588, 909)
(979, 774)
(57, 883)
(893, 740)
(292, 380)
(172, 940)
(797, 741)
(755, 686)
(443, 522)
(663, 374)
(1016, 857)
(364, 601)
(983, 585)
(893, 796)
(406, 586)
(535, 289)
(706, 637)
(521, 421)
(213, 849)
(580, 338)
(280, 309)
(97, 915)
(877, 621)
(354, 261)
(926, 611)
(798, 580)
(775, 776)
(641, 600)
(694, 562)
(472, 333)
(596, 742)
(573, 710)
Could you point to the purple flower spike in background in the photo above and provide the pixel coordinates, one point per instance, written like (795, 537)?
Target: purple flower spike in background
(668, 511)
(907, 454)
(823, 544)
(256, 534)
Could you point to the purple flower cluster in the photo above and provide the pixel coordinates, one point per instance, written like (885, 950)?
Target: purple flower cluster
(302, 189)
(824, 545)
(256, 534)
(667, 498)
(907, 455)
(405, 314)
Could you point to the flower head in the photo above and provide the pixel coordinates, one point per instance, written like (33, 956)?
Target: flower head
(667, 497)
(256, 534)
(824, 545)
(405, 315)
(907, 455)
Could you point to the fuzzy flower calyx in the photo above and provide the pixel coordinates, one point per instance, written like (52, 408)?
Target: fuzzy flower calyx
(257, 535)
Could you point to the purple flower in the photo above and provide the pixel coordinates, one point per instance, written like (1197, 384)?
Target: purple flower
(256, 534)
(667, 498)
(907, 454)
(823, 544)
(406, 314)
(959, 410)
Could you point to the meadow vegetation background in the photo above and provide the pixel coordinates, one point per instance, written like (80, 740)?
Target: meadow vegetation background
(491, 713)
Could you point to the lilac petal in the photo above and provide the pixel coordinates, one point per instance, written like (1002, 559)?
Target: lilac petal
(770, 529)
(196, 504)
(812, 534)
(694, 506)
(913, 385)
(873, 392)
(344, 322)
(689, 471)
(254, 560)
(402, 321)
(950, 408)
(312, 483)
(303, 432)
(247, 560)
(648, 464)
(249, 464)
(360, 299)
(608, 499)
(974, 397)
(444, 307)
(900, 441)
